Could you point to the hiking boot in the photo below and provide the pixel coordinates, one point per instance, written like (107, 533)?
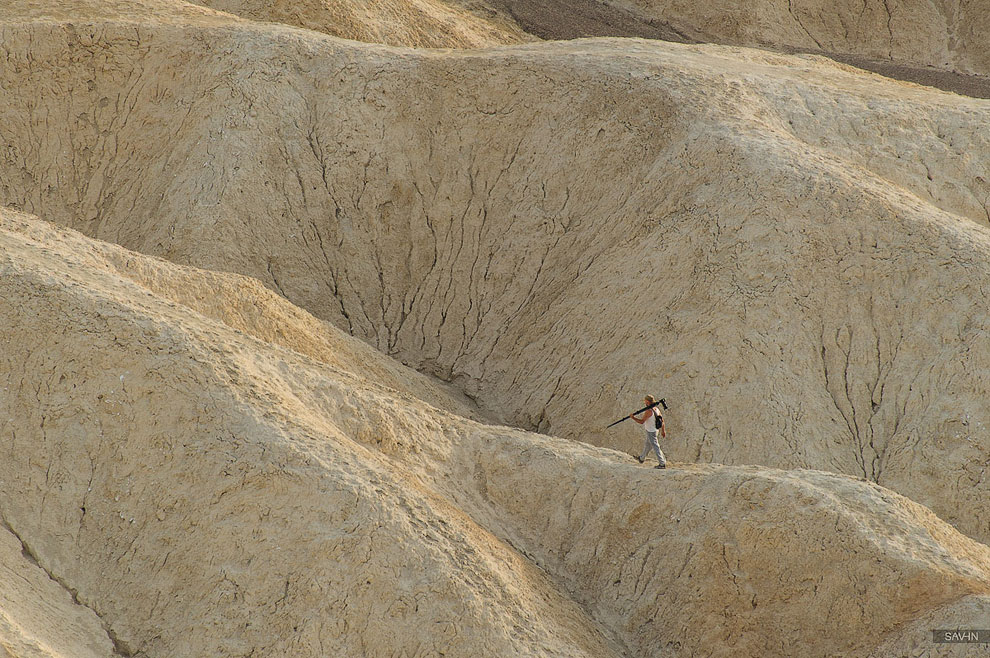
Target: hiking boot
(640, 459)
(660, 466)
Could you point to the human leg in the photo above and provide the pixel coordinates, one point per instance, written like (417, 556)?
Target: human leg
(652, 442)
(647, 446)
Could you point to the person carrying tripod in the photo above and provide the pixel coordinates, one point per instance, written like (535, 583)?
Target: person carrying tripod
(652, 421)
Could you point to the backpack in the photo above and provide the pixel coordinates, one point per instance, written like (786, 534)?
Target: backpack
(657, 418)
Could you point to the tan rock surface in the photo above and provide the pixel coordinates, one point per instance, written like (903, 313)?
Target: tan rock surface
(780, 245)
(947, 34)
(209, 493)
(915, 639)
(794, 253)
(245, 305)
(202, 509)
(418, 23)
(38, 618)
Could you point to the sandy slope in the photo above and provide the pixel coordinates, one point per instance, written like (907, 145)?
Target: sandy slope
(205, 492)
(38, 618)
(200, 507)
(791, 251)
(945, 34)
(418, 23)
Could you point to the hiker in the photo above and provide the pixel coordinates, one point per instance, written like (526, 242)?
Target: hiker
(652, 421)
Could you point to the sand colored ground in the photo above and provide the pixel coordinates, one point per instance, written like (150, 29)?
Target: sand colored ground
(417, 23)
(202, 491)
(38, 617)
(944, 34)
(788, 249)
(794, 253)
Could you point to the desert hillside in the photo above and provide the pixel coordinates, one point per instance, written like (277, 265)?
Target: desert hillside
(948, 34)
(781, 244)
(308, 344)
(194, 489)
(418, 23)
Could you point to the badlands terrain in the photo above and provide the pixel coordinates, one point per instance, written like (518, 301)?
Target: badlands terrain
(309, 343)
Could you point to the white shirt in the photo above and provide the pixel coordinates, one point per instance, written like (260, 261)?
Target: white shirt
(651, 422)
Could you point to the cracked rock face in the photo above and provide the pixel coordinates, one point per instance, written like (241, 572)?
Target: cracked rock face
(201, 489)
(949, 35)
(39, 618)
(792, 252)
(227, 462)
(416, 23)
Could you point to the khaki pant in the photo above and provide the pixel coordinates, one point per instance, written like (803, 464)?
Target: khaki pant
(652, 443)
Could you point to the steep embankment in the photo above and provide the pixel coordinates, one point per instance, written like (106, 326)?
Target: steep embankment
(38, 617)
(948, 34)
(789, 250)
(417, 23)
(205, 492)
(163, 467)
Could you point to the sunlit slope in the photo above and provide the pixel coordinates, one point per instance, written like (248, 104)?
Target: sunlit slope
(244, 305)
(789, 250)
(205, 492)
(38, 617)
(176, 477)
(417, 23)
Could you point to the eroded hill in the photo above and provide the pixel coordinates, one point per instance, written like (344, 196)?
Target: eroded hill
(790, 250)
(417, 23)
(949, 34)
(200, 490)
